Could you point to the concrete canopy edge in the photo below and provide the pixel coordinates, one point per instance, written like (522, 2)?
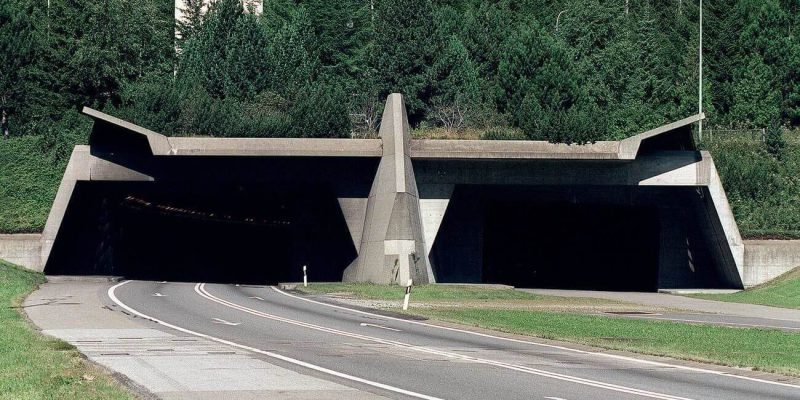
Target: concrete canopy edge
(626, 149)
(161, 145)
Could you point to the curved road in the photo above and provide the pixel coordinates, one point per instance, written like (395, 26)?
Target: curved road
(399, 358)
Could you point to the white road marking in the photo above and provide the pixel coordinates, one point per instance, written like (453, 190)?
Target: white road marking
(303, 364)
(714, 322)
(222, 321)
(200, 289)
(554, 398)
(380, 327)
(159, 295)
(256, 297)
(551, 346)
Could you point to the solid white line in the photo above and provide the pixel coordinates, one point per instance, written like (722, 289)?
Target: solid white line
(551, 346)
(714, 322)
(380, 327)
(303, 364)
(200, 289)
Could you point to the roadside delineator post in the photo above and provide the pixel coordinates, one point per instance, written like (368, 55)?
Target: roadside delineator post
(305, 277)
(408, 295)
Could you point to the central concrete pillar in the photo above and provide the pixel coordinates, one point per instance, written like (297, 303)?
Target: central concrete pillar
(392, 248)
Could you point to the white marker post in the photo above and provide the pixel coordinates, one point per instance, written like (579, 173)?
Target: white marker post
(408, 295)
(305, 277)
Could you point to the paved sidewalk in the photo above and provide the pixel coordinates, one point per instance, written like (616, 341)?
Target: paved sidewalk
(682, 303)
(169, 364)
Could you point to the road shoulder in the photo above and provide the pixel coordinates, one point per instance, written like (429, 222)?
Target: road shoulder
(167, 364)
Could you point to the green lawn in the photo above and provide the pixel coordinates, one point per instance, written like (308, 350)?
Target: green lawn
(766, 350)
(762, 349)
(783, 291)
(33, 366)
(422, 292)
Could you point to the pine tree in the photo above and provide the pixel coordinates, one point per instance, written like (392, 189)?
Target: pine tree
(404, 49)
(191, 22)
(456, 88)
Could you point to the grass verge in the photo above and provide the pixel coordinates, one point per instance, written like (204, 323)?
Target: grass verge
(33, 366)
(783, 291)
(760, 349)
(423, 292)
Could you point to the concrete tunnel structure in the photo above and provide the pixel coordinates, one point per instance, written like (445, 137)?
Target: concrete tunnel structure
(644, 213)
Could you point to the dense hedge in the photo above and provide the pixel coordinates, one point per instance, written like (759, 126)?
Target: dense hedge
(29, 179)
(762, 183)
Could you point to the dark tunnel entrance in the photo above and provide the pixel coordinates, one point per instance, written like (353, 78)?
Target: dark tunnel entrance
(571, 246)
(621, 238)
(235, 233)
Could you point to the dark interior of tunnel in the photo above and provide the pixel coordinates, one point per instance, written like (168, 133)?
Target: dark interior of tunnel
(227, 232)
(575, 237)
(571, 246)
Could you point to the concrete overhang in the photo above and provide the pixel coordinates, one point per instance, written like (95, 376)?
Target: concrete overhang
(161, 145)
(626, 149)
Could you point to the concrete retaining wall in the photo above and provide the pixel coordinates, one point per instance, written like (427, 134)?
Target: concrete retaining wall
(767, 259)
(22, 249)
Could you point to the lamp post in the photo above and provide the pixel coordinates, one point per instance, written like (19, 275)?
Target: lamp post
(700, 88)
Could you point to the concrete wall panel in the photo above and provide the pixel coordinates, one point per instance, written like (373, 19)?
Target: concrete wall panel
(22, 249)
(767, 259)
(354, 211)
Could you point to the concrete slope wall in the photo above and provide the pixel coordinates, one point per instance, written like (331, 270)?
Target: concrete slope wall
(765, 260)
(22, 249)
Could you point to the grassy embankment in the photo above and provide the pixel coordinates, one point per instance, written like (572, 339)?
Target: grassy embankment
(761, 349)
(29, 180)
(763, 187)
(783, 291)
(33, 366)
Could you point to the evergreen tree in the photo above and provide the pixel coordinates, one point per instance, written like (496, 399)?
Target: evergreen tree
(456, 89)
(755, 100)
(25, 80)
(191, 22)
(404, 50)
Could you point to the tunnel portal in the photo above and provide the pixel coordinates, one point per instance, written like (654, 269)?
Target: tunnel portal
(230, 232)
(571, 246)
(576, 237)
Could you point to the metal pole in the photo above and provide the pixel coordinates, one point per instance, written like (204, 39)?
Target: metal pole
(700, 88)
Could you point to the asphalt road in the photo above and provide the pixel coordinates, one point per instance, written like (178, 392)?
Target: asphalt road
(398, 358)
